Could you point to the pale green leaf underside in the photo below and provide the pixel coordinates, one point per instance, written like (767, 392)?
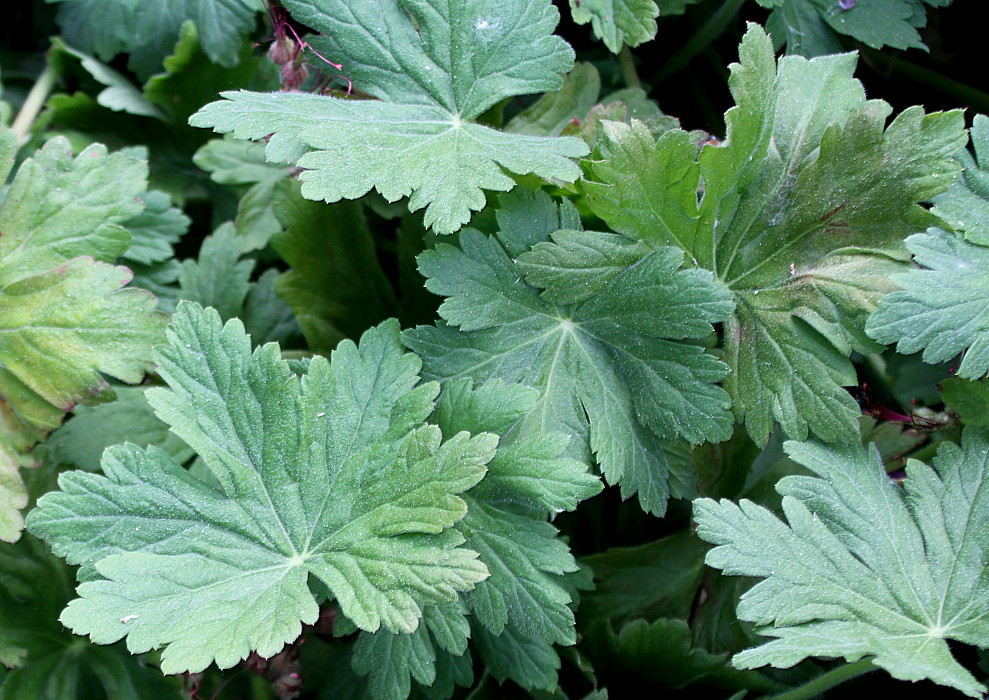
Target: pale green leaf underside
(942, 309)
(419, 140)
(618, 22)
(64, 318)
(441, 162)
(965, 206)
(865, 567)
(334, 475)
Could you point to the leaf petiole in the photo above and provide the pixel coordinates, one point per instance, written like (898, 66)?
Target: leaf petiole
(827, 681)
(33, 103)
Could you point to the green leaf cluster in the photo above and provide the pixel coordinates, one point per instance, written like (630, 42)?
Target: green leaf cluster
(327, 406)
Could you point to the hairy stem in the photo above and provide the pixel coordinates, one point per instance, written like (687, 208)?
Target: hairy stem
(824, 682)
(33, 103)
(627, 62)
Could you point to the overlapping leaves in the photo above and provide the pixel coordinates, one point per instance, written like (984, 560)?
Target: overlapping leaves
(443, 66)
(811, 27)
(147, 30)
(864, 566)
(804, 211)
(334, 475)
(64, 318)
(604, 354)
(943, 308)
(506, 524)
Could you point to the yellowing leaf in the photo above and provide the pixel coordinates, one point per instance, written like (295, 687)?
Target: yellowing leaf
(65, 318)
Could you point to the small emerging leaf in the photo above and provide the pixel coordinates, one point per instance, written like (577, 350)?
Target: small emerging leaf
(618, 22)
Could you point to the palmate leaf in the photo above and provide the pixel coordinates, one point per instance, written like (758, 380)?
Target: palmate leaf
(607, 361)
(64, 318)
(943, 308)
(148, 29)
(335, 475)
(445, 63)
(865, 567)
(506, 524)
(804, 211)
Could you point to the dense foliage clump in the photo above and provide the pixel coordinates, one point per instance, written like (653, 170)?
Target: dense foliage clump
(408, 348)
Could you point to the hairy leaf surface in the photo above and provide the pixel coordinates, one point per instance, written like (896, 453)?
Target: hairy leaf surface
(965, 206)
(864, 566)
(334, 475)
(64, 318)
(943, 308)
(609, 366)
(443, 66)
(506, 524)
(805, 206)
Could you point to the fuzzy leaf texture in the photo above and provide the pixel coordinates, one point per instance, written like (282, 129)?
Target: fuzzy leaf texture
(506, 523)
(618, 22)
(865, 567)
(334, 475)
(446, 62)
(64, 317)
(943, 307)
(148, 29)
(805, 207)
(606, 357)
